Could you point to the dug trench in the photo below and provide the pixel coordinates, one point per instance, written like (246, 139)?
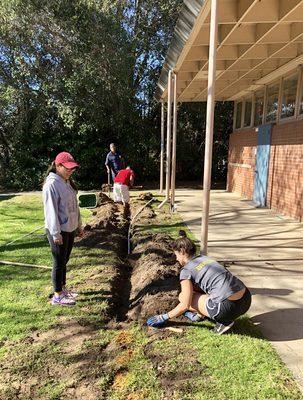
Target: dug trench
(147, 284)
(91, 352)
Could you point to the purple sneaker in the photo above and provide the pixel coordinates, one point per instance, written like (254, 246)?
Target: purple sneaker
(69, 294)
(62, 300)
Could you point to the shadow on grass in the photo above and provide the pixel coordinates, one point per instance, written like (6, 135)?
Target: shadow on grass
(25, 245)
(95, 296)
(243, 326)
(13, 273)
(4, 197)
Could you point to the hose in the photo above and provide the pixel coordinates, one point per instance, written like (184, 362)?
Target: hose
(131, 226)
(24, 265)
(23, 236)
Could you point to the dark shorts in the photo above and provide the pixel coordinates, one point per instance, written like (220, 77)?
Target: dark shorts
(228, 310)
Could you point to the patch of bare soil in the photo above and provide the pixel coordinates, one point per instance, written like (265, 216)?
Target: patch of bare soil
(154, 280)
(50, 359)
(177, 367)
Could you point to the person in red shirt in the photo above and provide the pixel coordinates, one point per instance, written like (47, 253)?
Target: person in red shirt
(122, 182)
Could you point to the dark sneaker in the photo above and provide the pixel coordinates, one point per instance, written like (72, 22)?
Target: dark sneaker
(219, 329)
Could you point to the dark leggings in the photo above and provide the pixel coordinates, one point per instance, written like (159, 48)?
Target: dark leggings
(60, 254)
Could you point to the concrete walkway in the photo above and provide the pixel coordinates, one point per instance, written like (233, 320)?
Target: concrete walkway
(266, 250)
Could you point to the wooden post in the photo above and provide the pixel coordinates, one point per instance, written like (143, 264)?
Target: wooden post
(168, 143)
(162, 148)
(174, 150)
(168, 139)
(209, 122)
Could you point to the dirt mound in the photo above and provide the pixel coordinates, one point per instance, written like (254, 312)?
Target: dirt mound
(154, 281)
(106, 187)
(145, 196)
(146, 211)
(102, 198)
(109, 216)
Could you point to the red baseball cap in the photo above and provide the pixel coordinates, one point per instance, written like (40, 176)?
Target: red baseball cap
(66, 159)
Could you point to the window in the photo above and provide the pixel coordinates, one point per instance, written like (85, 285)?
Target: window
(272, 102)
(289, 94)
(247, 112)
(259, 105)
(238, 115)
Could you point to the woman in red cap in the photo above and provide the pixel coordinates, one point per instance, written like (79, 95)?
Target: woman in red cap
(62, 221)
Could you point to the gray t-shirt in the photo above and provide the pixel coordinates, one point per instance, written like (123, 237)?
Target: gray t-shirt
(211, 277)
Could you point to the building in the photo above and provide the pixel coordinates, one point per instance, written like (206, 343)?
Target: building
(249, 52)
(266, 147)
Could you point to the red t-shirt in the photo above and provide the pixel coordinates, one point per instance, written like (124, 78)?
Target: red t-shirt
(124, 176)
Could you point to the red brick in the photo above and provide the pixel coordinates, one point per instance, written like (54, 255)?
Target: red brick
(285, 179)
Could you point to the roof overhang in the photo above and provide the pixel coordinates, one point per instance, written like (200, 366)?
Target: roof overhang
(258, 41)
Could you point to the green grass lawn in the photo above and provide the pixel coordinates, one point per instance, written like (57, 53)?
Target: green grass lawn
(23, 290)
(139, 363)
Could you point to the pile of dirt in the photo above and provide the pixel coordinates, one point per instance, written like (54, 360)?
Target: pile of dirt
(106, 187)
(108, 215)
(102, 198)
(154, 280)
(145, 196)
(146, 214)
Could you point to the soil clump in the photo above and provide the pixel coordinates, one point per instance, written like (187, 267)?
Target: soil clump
(154, 280)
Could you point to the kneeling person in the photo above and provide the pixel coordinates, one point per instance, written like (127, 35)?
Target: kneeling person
(207, 290)
(122, 181)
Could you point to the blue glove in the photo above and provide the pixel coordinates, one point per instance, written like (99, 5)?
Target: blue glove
(192, 316)
(157, 320)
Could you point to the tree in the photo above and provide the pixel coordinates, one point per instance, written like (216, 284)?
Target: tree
(64, 85)
(76, 75)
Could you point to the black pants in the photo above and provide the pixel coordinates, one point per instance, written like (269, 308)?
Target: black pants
(228, 310)
(232, 309)
(60, 254)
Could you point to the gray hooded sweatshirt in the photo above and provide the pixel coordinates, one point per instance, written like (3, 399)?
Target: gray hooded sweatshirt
(61, 210)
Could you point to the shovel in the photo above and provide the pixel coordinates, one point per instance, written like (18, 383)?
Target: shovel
(108, 182)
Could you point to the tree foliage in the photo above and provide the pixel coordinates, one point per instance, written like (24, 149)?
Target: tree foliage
(76, 75)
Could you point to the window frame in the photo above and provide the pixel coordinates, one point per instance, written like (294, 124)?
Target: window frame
(273, 83)
(299, 93)
(254, 106)
(248, 99)
(278, 120)
(236, 115)
(297, 71)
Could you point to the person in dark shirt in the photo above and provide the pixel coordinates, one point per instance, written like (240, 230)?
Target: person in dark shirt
(207, 290)
(113, 161)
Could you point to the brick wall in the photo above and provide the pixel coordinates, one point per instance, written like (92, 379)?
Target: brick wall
(241, 162)
(285, 180)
